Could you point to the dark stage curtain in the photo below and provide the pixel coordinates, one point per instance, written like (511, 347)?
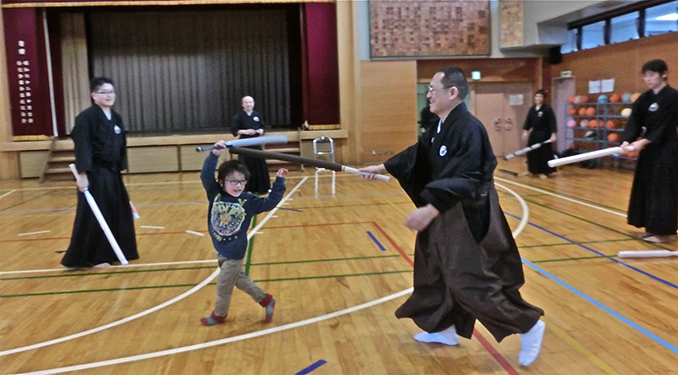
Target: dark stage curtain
(187, 71)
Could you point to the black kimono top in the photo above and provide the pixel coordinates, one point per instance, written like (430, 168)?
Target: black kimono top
(98, 140)
(542, 120)
(658, 113)
(448, 164)
(243, 121)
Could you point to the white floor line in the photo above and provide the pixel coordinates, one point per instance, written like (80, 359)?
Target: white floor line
(516, 233)
(8, 193)
(153, 309)
(196, 233)
(151, 227)
(562, 197)
(184, 349)
(62, 270)
(30, 233)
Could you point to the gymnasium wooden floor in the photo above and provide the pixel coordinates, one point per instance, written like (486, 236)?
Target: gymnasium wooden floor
(339, 262)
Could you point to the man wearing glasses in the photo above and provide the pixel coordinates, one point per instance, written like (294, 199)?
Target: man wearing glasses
(100, 156)
(466, 263)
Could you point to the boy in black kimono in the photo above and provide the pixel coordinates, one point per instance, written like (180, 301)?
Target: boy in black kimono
(100, 155)
(654, 195)
(466, 263)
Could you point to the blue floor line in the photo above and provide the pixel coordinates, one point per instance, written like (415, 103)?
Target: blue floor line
(311, 367)
(672, 285)
(608, 310)
(376, 241)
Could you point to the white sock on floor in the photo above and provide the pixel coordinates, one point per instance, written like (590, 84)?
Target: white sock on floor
(531, 343)
(447, 337)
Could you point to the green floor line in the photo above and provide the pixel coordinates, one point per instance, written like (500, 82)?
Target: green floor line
(192, 285)
(194, 268)
(575, 243)
(594, 223)
(250, 245)
(578, 258)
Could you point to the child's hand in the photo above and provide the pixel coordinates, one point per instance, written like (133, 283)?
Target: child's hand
(220, 147)
(282, 172)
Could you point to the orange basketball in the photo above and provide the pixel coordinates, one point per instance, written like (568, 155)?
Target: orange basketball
(615, 98)
(582, 111)
(613, 137)
(584, 99)
(591, 111)
(635, 96)
(572, 111)
(611, 124)
(593, 123)
(570, 99)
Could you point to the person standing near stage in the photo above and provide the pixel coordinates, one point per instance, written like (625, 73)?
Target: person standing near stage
(427, 119)
(654, 196)
(466, 262)
(248, 124)
(100, 156)
(540, 126)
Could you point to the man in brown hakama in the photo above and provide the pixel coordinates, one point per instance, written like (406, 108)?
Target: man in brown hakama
(466, 262)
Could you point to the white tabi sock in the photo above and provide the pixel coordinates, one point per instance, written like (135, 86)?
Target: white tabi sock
(447, 337)
(531, 343)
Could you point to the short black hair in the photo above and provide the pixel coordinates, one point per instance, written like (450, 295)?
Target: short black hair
(541, 92)
(657, 66)
(96, 83)
(454, 76)
(231, 166)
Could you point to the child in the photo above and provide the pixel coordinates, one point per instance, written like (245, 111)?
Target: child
(230, 211)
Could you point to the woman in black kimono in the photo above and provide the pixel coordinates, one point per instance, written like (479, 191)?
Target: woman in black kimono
(249, 124)
(540, 126)
(100, 155)
(466, 262)
(654, 195)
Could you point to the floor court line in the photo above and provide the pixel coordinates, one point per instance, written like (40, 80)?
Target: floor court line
(242, 337)
(153, 309)
(656, 278)
(8, 193)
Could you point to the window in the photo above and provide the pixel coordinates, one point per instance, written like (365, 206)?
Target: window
(661, 19)
(571, 44)
(593, 35)
(624, 28)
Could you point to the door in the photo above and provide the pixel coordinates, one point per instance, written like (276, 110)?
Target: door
(502, 108)
(563, 88)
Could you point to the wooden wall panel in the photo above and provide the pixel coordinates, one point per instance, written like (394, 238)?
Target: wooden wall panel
(32, 163)
(492, 70)
(388, 117)
(153, 159)
(621, 61)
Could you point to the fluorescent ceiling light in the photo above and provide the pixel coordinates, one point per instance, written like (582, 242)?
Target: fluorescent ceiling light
(668, 17)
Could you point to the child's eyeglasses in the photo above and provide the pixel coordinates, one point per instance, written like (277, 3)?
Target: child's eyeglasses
(237, 182)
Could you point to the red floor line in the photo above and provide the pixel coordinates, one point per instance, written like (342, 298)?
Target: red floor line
(498, 357)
